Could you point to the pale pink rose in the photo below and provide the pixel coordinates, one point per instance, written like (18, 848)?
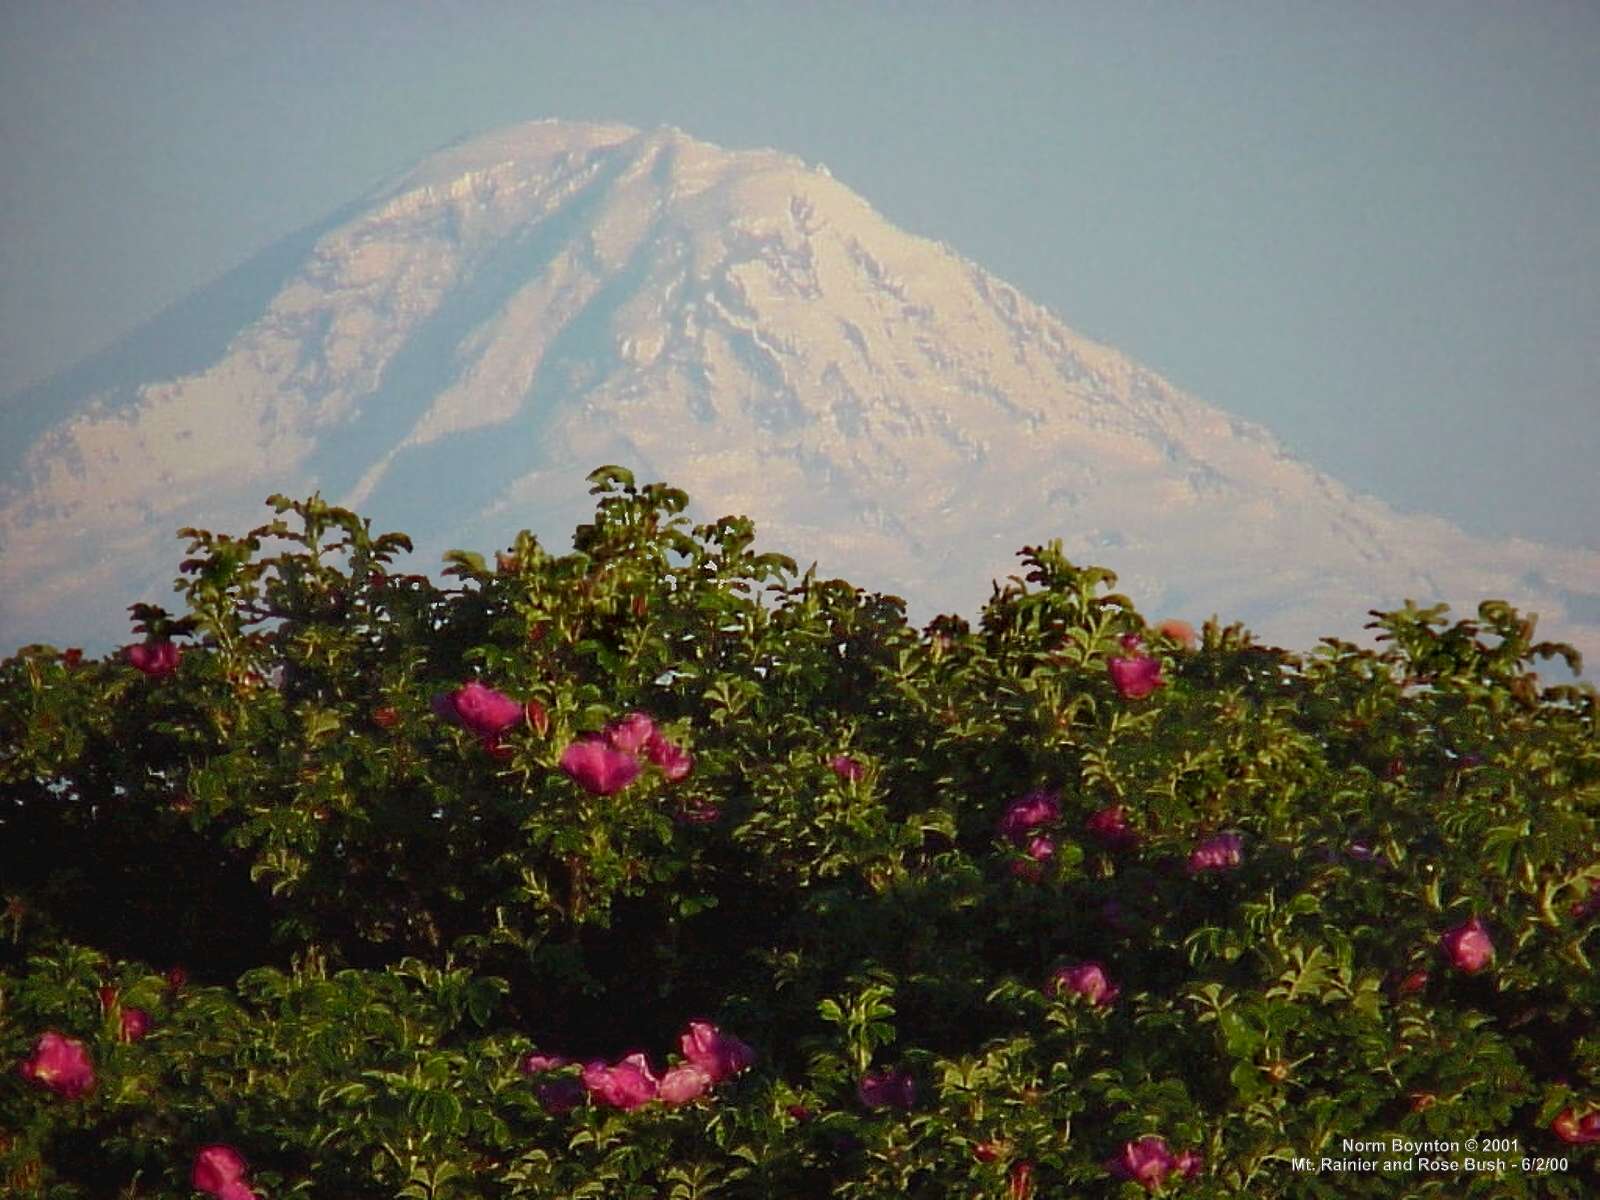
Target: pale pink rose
(683, 1083)
(626, 1085)
(1468, 946)
(61, 1064)
(720, 1055)
(597, 768)
(1220, 852)
(1088, 980)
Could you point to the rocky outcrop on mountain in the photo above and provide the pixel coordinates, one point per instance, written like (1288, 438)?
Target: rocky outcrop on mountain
(453, 356)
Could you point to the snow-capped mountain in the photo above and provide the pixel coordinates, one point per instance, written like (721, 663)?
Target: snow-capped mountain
(454, 355)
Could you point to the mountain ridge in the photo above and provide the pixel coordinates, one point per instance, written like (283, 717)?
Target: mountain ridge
(456, 352)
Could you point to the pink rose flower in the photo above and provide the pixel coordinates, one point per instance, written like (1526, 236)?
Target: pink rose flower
(1580, 1131)
(534, 1063)
(1179, 631)
(135, 1024)
(1189, 1164)
(1088, 980)
(683, 1083)
(846, 768)
(1109, 826)
(1040, 850)
(1221, 852)
(61, 1064)
(720, 1055)
(597, 768)
(216, 1167)
(1146, 1162)
(156, 659)
(482, 710)
(675, 762)
(1136, 677)
(887, 1089)
(631, 734)
(627, 1085)
(1027, 813)
(1468, 946)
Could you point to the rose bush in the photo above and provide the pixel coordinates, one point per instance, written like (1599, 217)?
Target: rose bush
(656, 870)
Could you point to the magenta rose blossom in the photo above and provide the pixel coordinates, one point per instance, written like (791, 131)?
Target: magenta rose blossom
(631, 734)
(597, 768)
(1468, 946)
(1027, 813)
(1087, 980)
(627, 1085)
(1146, 1162)
(1136, 677)
(135, 1024)
(1040, 850)
(483, 710)
(683, 1083)
(887, 1089)
(720, 1055)
(846, 768)
(675, 762)
(61, 1064)
(155, 659)
(1109, 826)
(1221, 852)
(216, 1167)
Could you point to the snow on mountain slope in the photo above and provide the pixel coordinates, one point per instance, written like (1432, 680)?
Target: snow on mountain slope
(453, 357)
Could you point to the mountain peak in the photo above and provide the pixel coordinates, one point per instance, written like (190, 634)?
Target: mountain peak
(456, 354)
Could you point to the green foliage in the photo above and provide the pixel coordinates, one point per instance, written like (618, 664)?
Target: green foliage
(379, 912)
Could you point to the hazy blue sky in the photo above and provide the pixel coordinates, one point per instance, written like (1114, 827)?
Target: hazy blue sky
(1374, 227)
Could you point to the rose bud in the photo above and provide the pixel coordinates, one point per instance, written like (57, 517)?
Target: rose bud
(1468, 946)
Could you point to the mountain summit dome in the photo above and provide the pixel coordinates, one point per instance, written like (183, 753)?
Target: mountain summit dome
(452, 355)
